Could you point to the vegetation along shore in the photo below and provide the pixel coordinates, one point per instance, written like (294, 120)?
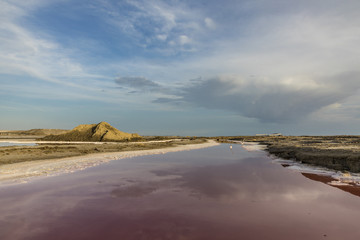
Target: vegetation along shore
(335, 152)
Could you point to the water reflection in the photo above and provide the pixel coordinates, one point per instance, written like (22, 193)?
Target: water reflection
(138, 190)
(202, 194)
(346, 181)
(353, 189)
(8, 144)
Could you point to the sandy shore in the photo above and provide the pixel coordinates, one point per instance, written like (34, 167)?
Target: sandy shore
(23, 171)
(74, 142)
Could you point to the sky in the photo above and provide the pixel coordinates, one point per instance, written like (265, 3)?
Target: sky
(190, 68)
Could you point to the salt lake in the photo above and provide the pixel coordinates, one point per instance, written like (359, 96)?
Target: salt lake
(212, 193)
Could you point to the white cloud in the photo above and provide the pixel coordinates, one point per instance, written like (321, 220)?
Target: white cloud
(34, 54)
(162, 37)
(209, 23)
(156, 25)
(183, 39)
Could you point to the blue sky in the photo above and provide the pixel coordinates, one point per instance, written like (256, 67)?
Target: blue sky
(182, 67)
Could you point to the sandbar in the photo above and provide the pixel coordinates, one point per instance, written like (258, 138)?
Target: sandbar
(24, 171)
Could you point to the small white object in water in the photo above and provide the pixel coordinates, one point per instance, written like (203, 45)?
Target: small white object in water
(230, 147)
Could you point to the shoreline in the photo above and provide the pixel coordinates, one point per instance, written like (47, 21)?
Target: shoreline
(22, 172)
(346, 181)
(9, 140)
(340, 153)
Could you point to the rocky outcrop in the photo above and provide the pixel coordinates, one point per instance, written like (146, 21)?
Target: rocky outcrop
(101, 132)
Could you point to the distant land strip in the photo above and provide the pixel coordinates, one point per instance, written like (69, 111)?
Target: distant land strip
(340, 153)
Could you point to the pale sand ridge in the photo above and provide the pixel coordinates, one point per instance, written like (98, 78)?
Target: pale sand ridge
(21, 172)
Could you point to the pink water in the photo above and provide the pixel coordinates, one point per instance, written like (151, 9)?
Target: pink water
(213, 193)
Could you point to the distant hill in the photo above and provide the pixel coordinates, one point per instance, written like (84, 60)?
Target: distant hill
(44, 132)
(30, 133)
(101, 132)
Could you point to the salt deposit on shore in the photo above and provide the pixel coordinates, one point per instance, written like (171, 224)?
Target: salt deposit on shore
(250, 146)
(342, 178)
(22, 172)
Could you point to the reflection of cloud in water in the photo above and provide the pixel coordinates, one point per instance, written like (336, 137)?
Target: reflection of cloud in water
(251, 178)
(133, 191)
(8, 144)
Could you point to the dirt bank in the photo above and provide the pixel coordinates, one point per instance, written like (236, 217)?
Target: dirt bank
(334, 152)
(22, 171)
(16, 154)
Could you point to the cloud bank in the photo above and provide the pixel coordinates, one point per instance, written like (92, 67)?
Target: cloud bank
(286, 100)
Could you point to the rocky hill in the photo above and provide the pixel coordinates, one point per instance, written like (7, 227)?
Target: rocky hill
(101, 132)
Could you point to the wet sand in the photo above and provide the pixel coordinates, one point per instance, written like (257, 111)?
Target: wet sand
(23, 171)
(215, 193)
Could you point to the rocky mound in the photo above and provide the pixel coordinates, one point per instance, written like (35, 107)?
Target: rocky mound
(101, 132)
